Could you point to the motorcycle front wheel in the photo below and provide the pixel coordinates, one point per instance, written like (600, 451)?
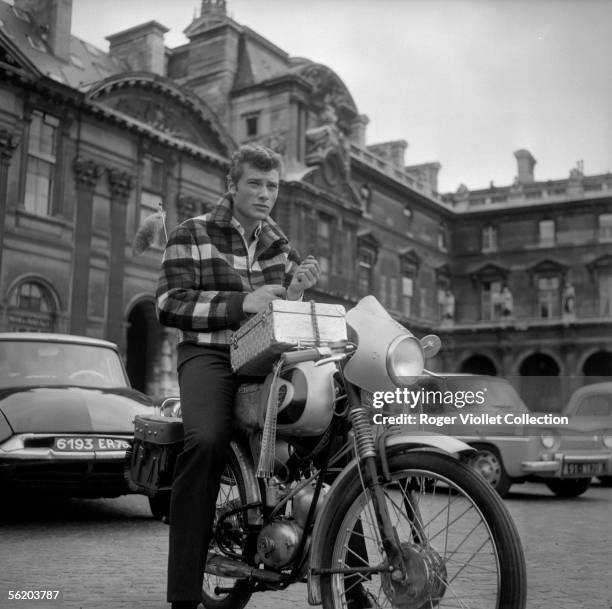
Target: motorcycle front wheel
(223, 592)
(458, 542)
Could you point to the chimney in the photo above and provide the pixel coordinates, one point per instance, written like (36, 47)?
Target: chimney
(391, 151)
(54, 17)
(141, 47)
(525, 163)
(358, 130)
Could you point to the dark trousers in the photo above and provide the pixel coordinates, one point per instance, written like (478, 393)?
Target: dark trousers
(207, 388)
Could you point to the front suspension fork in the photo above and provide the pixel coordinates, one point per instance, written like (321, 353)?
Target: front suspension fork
(366, 453)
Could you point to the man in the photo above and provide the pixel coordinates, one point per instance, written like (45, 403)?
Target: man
(218, 269)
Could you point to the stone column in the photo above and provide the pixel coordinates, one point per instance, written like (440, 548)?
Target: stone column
(121, 184)
(8, 142)
(86, 173)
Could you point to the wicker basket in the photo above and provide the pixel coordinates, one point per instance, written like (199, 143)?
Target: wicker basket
(284, 326)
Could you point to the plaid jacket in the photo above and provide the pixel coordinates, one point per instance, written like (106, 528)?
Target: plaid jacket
(205, 274)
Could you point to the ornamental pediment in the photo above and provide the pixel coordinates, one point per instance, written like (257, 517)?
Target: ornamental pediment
(161, 104)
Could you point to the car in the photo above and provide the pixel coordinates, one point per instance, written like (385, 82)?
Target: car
(66, 415)
(589, 409)
(514, 444)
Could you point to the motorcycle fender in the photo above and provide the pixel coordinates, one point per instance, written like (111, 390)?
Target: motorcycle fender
(417, 440)
(252, 489)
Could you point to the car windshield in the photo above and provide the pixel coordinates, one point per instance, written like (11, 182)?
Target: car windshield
(596, 405)
(468, 391)
(34, 363)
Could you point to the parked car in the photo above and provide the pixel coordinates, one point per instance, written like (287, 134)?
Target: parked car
(514, 445)
(590, 411)
(66, 415)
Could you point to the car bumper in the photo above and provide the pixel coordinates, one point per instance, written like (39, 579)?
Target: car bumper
(74, 473)
(570, 466)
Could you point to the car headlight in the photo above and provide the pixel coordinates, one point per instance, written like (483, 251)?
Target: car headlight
(548, 439)
(606, 438)
(171, 407)
(405, 360)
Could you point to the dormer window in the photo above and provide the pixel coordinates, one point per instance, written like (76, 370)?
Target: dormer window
(252, 125)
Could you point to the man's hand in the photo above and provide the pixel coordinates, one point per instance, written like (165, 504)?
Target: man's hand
(305, 276)
(259, 299)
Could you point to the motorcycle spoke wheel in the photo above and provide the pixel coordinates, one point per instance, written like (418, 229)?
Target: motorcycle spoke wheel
(460, 545)
(223, 592)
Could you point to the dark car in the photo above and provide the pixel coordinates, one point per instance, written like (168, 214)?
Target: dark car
(66, 415)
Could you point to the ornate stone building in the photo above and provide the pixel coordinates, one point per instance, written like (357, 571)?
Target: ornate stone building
(91, 142)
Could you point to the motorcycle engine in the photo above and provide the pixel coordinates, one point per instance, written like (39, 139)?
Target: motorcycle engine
(277, 543)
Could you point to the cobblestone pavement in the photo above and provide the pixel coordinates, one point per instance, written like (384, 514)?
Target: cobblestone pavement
(110, 554)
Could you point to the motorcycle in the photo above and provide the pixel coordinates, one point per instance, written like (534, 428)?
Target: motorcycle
(368, 515)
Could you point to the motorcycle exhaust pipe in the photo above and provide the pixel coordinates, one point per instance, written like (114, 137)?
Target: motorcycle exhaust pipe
(224, 566)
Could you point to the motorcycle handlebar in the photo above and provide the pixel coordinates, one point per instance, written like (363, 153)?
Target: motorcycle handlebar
(304, 355)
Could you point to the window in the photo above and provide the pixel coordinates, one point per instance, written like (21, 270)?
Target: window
(323, 229)
(42, 147)
(547, 233)
(489, 239)
(605, 292)
(605, 227)
(407, 296)
(324, 268)
(442, 237)
(382, 290)
(30, 308)
(252, 127)
(364, 273)
(392, 293)
(548, 297)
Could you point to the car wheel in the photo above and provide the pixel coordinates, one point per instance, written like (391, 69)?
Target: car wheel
(488, 463)
(605, 481)
(160, 505)
(569, 487)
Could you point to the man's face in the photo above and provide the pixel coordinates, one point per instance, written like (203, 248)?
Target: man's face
(254, 195)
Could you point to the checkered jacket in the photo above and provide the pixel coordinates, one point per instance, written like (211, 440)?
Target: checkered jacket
(205, 274)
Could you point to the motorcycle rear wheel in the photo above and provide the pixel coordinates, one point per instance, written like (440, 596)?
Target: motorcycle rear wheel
(231, 494)
(459, 535)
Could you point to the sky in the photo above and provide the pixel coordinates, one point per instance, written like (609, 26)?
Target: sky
(465, 83)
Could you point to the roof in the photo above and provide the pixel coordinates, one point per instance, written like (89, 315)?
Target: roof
(87, 64)
(56, 338)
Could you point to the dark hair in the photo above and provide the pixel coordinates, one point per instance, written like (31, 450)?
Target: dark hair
(256, 155)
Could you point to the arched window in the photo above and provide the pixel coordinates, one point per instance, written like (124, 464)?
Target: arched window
(31, 308)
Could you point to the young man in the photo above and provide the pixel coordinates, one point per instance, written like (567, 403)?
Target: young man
(217, 269)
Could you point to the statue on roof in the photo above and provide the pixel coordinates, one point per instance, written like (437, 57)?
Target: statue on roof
(327, 138)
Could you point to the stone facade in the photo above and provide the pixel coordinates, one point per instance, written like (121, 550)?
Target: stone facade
(92, 142)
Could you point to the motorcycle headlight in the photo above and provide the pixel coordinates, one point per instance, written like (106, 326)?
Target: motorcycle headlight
(405, 360)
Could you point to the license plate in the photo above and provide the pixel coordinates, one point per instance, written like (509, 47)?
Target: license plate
(582, 469)
(76, 444)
